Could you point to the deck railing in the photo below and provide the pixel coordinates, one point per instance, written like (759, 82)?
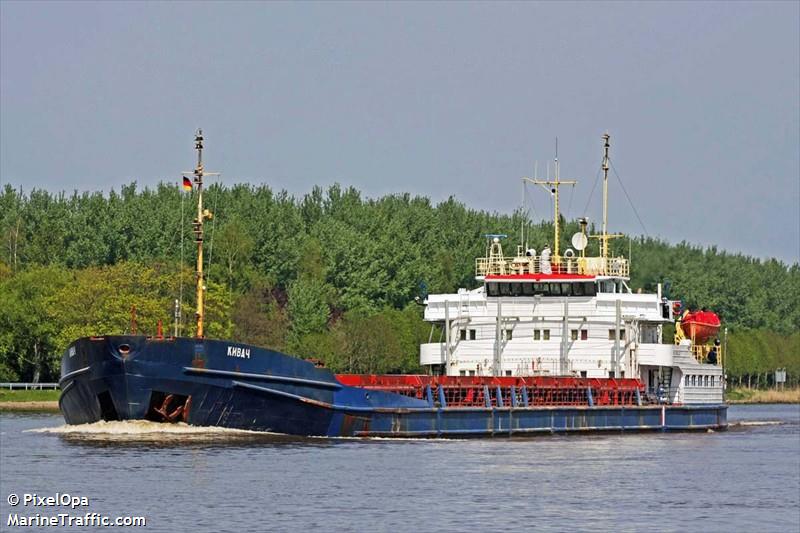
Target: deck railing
(591, 266)
(703, 354)
(505, 391)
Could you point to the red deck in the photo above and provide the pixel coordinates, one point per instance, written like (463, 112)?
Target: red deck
(539, 277)
(470, 391)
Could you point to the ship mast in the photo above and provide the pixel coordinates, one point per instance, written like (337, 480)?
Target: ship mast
(552, 187)
(604, 241)
(197, 228)
(605, 236)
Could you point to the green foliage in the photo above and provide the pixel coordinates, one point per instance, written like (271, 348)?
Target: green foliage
(259, 319)
(745, 292)
(329, 275)
(99, 300)
(7, 373)
(218, 321)
(309, 304)
(29, 328)
(753, 356)
(234, 248)
(365, 341)
(310, 296)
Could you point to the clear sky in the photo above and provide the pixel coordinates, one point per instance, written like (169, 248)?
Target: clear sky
(702, 101)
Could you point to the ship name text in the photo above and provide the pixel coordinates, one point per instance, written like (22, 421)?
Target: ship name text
(236, 351)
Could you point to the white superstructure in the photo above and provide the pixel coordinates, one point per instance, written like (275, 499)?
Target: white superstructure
(543, 314)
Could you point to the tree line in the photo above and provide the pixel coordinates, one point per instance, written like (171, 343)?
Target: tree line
(330, 275)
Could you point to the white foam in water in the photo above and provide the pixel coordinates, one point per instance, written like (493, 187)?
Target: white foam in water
(758, 423)
(144, 429)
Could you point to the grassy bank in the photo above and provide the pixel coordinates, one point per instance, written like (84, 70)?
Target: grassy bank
(29, 395)
(29, 400)
(763, 396)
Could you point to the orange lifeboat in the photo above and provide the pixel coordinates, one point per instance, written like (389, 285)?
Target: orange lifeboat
(700, 325)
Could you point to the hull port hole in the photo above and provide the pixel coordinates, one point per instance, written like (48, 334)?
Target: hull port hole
(168, 407)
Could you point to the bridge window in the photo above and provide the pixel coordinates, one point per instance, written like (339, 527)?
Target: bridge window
(472, 334)
(508, 372)
(462, 372)
(705, 381)
(492, 289)
(527, 289)
(546, 289)
(686, 384)
(607, 286)
(713, 380)
(546, 334)
(537, 334)
(463, 334)
(574, 334)
(694, 380)
(584, 334)
(509, 334)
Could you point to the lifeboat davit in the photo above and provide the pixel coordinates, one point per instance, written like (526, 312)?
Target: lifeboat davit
(700, 325)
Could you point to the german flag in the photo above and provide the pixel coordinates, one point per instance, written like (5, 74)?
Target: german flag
(187, 184)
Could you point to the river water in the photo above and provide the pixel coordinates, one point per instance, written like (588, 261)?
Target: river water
(743, 479)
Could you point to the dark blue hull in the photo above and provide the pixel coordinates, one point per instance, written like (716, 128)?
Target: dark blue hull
(217, 383)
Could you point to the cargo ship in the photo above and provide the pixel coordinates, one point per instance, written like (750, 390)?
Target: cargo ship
(548, 342)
